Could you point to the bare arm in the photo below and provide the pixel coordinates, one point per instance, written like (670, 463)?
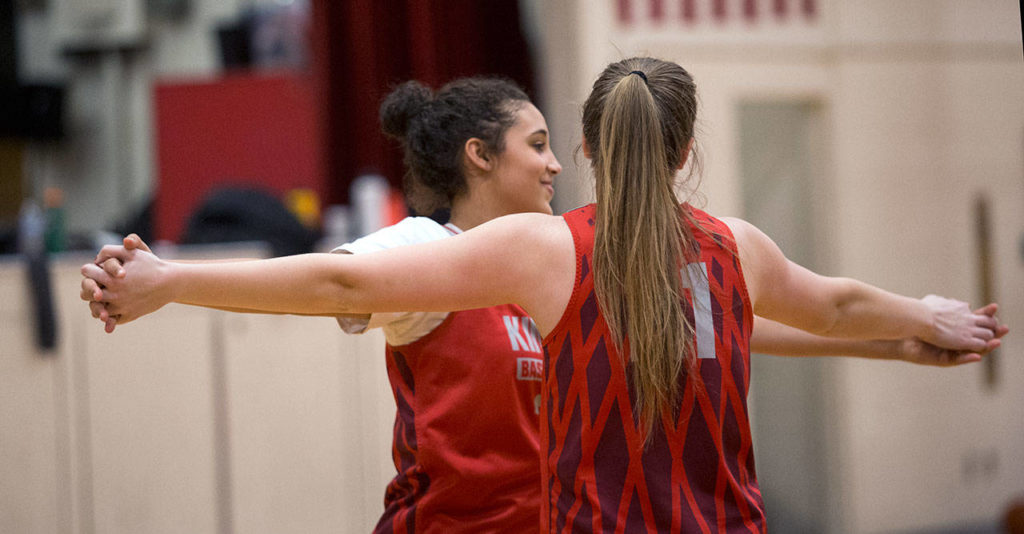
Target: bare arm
(506, 260)
(770, 337)
(841, 307)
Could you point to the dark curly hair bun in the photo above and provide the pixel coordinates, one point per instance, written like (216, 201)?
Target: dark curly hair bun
(401, 105)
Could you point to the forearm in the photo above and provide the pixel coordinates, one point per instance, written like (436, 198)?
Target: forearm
(228, 308)
(841, 307)
(222, 260)
(306, 284)
(262, 312)
(226, 260)
(770, 337)
(859, 310)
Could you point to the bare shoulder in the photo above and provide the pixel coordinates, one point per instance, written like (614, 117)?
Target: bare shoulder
(535, 252)
(532, 233)
(750, 240)
(763, 262)
(741, 229)
(534, 223)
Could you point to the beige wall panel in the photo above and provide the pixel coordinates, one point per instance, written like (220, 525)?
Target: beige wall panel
(121, 434)
(29, 471)
(722, 86)
(576, 45)
(298, 413)
(901, 207)
(150, 407)
(286, 418)
(375, 431)
(915, 142)
(74, 435)
(921, 21)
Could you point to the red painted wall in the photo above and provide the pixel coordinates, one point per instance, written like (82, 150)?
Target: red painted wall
(254, 129)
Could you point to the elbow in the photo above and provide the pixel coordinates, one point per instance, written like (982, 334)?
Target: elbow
(843, 299)
(829, 327)
(336, 292)
(340, 297)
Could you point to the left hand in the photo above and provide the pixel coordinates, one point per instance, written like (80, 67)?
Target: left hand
(126, 285)
(955, 326)
(92, 291)
(916, 351)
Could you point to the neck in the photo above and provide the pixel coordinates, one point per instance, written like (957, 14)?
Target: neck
(473, 209)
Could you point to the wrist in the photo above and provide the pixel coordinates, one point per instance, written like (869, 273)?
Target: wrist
(885, 349)
(173, 280)
(903, 349)
(927, 324)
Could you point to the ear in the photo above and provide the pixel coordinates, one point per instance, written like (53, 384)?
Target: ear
(586, 148)
(477, 155)
(686, 154)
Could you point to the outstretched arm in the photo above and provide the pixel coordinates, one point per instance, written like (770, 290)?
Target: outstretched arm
(512, 259)
(841, 307)
(770, 337)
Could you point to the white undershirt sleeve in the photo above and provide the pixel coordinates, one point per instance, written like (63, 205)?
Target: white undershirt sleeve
(400, 328)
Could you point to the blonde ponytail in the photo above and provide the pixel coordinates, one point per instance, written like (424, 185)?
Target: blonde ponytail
(641, 244)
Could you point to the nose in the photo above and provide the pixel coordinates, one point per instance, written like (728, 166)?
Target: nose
(553, 166)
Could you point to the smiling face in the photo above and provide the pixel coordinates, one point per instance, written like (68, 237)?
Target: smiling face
(522, 179)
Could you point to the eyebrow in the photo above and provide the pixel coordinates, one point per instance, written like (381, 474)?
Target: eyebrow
(540, 131)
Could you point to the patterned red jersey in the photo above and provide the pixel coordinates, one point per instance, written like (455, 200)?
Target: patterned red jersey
(466, 441)
(696, 474)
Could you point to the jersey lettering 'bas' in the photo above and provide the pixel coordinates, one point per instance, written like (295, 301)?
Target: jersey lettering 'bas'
(697, 474)
(466, 438)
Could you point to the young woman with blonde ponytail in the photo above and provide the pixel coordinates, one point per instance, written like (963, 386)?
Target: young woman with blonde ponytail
(646, 306)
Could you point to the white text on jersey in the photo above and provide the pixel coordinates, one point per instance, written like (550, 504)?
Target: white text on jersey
(522, 333)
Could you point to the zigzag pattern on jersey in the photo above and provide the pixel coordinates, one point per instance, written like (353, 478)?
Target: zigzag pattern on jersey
(697, 473)
(405, 490)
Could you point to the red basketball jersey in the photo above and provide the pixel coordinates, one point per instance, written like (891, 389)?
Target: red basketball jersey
(466, 442)
(697, 472)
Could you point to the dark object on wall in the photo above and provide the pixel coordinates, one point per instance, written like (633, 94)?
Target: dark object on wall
(169, 9)
(244, 214)
(8, 44)
(12, 179)
(234, 41)
(32, 111)
(8, 238)
(139, 221)
(45, 319)
(1013, 521)
(31, 229)
(986, 275)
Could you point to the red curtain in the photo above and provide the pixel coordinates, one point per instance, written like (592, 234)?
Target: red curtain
(362, 48)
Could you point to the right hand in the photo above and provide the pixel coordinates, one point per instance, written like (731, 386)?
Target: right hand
(956, 327)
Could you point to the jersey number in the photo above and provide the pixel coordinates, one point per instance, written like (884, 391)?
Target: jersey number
(702, 318)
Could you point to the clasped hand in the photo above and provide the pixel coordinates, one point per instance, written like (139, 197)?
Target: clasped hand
(125, 283)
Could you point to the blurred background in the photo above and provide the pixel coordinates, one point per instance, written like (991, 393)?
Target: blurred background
(882, 140)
